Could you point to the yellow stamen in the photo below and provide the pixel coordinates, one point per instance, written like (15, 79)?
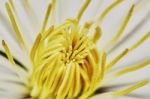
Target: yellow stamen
(78, 86)
(116, 59)
(72, 87)
(130, 89)
(15, 26)
(97, 34)
(35, 91)
(94, 77)
(121, 30)
(12, 4)
(132, 68)
(51, 77)
(46, 34)
(96, 55)
(8, 53)
(67, 80)
(26, 1)
(53, 12)
(10, 57)
(58, 79)
(53, 5)
(86, 80)
(95, 67)
(88, 24)
(53, 71)
(132, 48)
(109, 8)
(82, 9)
(36, 43)
(145, 37)
(102, 69)
(46, 17)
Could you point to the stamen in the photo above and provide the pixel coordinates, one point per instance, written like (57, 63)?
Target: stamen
(35, 91)
(97, 34)
(67, 80)
(78, 80)
(72, 87)
(145, 37)
(82, 9)
(89, 68)
(121, 30)
(26, 1)
(10, 57)
(15, 60)
(102, 68)
(53, 12)
(58, 79)
(94, 76)
(116, 59)
(79, 43)
(86, 80)
(47, 33)
(130, 89)
(52, 52)
(109, 8)
(51, 77)
(15, 26)
(88, 24)
(132, 68)
(46, 18)
(96, 55)
(35, 46)
(12, 5)
(85, 28)
(53, 71)
(91, 60)
(132, 48)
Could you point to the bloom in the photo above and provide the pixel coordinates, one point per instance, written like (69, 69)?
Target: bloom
(65, 61)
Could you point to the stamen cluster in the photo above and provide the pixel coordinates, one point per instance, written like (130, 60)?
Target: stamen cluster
(66, 62)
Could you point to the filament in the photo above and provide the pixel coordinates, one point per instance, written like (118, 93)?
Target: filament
(133, 68)
(15, 26)
(82, 9)
(130, 89)
(46, 18)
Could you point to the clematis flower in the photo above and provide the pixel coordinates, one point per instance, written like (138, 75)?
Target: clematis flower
(74, 49)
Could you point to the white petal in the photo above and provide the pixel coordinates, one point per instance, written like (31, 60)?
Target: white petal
(103, 96)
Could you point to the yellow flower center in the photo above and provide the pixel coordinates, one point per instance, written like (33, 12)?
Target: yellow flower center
(65, 62)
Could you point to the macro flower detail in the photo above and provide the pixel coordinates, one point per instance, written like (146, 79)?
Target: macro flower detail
(65, 61)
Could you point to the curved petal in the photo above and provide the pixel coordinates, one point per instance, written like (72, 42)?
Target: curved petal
(10, 84)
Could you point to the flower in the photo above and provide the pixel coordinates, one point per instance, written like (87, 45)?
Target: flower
(65, 60)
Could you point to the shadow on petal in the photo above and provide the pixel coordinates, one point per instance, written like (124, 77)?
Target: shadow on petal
(111, 88)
